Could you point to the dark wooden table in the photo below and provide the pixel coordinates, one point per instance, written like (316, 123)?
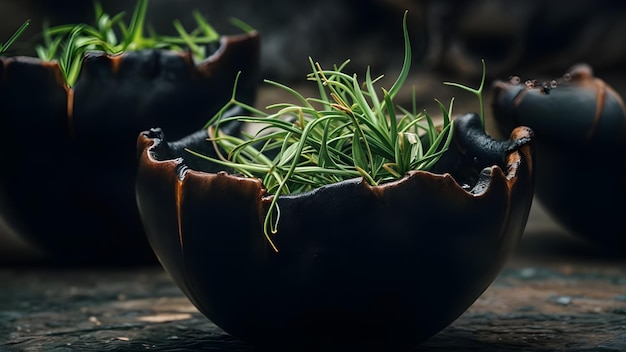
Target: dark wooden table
(555, 294)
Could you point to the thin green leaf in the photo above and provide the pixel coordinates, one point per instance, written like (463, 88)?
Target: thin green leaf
(406, 65)
(242, 25)
(5, 46)
(209, 32)
(136, 26)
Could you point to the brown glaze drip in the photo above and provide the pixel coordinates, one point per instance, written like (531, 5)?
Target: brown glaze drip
(116, 61)
(600, 100)
(379, 191)
(583, 75)
(70, 111)
(518, 99)
(58, 75)
(618, 97)
(514, 159)
(60, 79)
(207, 68)
(620, 101)
(227, 51)
(179, 206)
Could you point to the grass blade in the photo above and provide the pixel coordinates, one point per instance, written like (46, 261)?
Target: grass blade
(5, 46)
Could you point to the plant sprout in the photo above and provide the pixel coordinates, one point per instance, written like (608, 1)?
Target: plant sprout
(68, 43)
(5, 46)
(478, 92)
(353, 129)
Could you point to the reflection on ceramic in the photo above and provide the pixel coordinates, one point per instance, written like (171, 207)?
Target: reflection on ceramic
(67, 185)
(580, 127)
(358, 265)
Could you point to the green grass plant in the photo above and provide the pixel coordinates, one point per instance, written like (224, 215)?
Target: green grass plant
(68, 43)
(352, 129)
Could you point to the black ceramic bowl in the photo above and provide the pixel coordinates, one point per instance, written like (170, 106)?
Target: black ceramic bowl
(580, 127)
(374, 268)
(67, 184)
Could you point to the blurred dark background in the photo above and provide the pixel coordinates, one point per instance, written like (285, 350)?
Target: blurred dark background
(533, 37)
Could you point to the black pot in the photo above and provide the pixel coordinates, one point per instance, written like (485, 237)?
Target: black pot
(67, 186)
(358, 266)
(580, 127)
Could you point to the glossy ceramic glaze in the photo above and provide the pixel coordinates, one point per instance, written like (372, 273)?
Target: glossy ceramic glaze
(373, 268)
(70, 157)
(580, 127)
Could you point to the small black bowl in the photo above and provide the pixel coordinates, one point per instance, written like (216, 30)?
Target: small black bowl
(580, 133)
(67, 185)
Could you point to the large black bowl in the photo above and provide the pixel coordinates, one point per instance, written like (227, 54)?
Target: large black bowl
(358, 266)
(67, 184)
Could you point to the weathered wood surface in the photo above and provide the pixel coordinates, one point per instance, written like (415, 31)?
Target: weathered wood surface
(554, 295)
